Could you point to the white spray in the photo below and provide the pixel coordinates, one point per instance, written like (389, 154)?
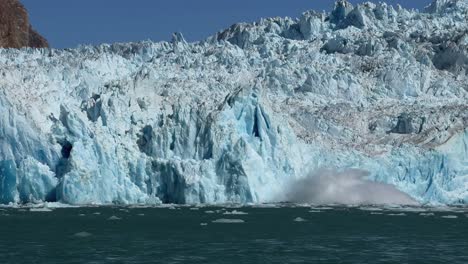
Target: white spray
(344, 187)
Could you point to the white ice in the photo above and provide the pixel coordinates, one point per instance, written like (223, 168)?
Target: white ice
(238, 117)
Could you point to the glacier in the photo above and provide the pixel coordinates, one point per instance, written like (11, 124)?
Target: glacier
(237, 117)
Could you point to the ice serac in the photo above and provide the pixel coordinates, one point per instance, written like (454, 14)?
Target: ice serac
(245, 113)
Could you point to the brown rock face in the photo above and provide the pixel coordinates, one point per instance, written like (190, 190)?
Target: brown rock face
(15, 30)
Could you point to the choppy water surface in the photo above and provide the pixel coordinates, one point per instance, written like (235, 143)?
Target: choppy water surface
(233, 235)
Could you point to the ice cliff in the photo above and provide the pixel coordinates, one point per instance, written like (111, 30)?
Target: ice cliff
(236, 117)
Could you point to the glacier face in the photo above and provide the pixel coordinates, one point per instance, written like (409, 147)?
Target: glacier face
(239, 116)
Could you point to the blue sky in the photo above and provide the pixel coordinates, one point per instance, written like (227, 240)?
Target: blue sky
(67, 24)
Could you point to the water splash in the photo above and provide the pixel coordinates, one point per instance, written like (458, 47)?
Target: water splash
(350, 186)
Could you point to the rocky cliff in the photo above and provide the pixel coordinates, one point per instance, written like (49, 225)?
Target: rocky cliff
(15, 30)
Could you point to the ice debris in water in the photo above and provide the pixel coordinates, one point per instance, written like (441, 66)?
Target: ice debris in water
(228, 221)
(449, 216)
(411, 209)
(237, 117)
(114, 218)
(235, 212)
(398, 214)
(40, 209)
(299, 219)
(370, 209)
(426, 214)
(82, 234)
(322, 208)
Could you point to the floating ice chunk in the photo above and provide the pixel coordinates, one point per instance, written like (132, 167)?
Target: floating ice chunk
(315, 211)
(114, 218)
(82, 215)
(194, 208)
(228, 221)
(266, 206)
(82, 234)
(299, 219)
(370, 209)
(43, 209)
(210, 212)
(203, 224)
(235, 212)
(412, 210)
(400, 214)
(58, 205)
(141, 214)
(426, 214)
(322, 208)
(449, 216)
(96, 213)
(376, 213)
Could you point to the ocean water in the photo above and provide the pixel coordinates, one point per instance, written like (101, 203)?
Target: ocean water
(286, 234)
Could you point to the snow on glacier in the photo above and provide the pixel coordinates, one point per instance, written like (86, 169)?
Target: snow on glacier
(243, 114)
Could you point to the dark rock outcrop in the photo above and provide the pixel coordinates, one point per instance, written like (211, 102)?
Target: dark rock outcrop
(15, 30)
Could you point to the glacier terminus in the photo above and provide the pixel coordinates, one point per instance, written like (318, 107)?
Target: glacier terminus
(240, 116)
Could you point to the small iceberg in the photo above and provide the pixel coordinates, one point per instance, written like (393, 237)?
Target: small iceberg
(299, 219)
(450, 216)
(325, 208)
(82, 234)
(112, 218)
(209, 212)
(400, 214)
(235, 212)
(372, 209)
(203, 224)
(426, 214)
(265, 206)
(42, 209)
(228, 221)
